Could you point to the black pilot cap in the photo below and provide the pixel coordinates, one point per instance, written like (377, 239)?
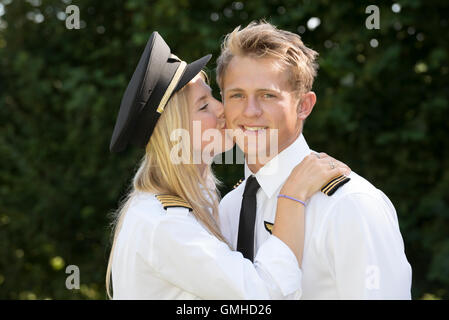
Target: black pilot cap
(158, 75)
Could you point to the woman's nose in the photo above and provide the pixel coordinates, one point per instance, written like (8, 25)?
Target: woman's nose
(219, 109)
(219, 113)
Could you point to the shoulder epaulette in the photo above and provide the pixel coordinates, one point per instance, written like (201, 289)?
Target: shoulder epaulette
(333, 185)
(170, 201)
(238, 183)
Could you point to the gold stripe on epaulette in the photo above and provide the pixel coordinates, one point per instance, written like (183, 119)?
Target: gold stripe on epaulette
(238, 183)
(268, 226)
(333, 185)
(170, 201)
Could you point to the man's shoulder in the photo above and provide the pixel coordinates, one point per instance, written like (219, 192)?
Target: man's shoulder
(235, 195)
(356, 187)
(357, 184)
(356, 203)
(229, 211)
(236, 192)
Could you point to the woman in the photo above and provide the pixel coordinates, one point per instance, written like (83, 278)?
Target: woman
(167, 242)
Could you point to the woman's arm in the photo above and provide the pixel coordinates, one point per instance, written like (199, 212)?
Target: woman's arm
(289, 226)
(305, 179)
(183, 253)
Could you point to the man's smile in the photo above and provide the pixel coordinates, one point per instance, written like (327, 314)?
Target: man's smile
(252, 129)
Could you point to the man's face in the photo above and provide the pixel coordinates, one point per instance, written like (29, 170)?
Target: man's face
(258, 99)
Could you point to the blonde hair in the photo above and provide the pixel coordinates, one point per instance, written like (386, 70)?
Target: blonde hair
(157, 174)
(263, 40)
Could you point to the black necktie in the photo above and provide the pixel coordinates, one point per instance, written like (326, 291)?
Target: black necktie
(245, 241)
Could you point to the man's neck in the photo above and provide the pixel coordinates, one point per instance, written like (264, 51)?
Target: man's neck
(255, 167)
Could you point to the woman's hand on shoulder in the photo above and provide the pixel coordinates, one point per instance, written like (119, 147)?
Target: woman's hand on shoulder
(311, 174)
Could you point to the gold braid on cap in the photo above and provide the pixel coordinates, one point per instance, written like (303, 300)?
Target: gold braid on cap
(174, 81)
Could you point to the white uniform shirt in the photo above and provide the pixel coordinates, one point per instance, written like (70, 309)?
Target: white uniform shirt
(353, 247)
(168, 254)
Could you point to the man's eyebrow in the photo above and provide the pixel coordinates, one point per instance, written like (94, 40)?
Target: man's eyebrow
(257, 90)
(268, 89)
(234, 89)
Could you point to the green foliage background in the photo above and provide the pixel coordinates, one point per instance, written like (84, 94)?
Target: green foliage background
(383, 110)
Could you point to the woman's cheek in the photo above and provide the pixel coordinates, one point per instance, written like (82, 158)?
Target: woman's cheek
(209, 122)
(208, 126)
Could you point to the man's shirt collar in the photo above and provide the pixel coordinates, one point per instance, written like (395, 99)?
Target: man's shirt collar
(277, 170)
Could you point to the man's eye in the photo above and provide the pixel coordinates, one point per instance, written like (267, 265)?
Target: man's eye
(236, 95)
(204, 107)
(269, 96)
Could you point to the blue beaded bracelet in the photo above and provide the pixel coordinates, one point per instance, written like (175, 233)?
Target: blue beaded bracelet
(291, 198)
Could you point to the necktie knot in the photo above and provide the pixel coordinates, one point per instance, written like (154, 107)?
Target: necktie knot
(251, 187)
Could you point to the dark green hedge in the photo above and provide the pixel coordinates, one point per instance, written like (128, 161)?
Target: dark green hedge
(383, 110)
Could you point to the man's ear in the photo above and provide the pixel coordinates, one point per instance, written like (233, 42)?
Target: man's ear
(306, 105)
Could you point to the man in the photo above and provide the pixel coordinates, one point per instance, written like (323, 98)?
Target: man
(353, 247)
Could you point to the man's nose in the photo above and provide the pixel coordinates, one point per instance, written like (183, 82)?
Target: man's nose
(252, 108)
